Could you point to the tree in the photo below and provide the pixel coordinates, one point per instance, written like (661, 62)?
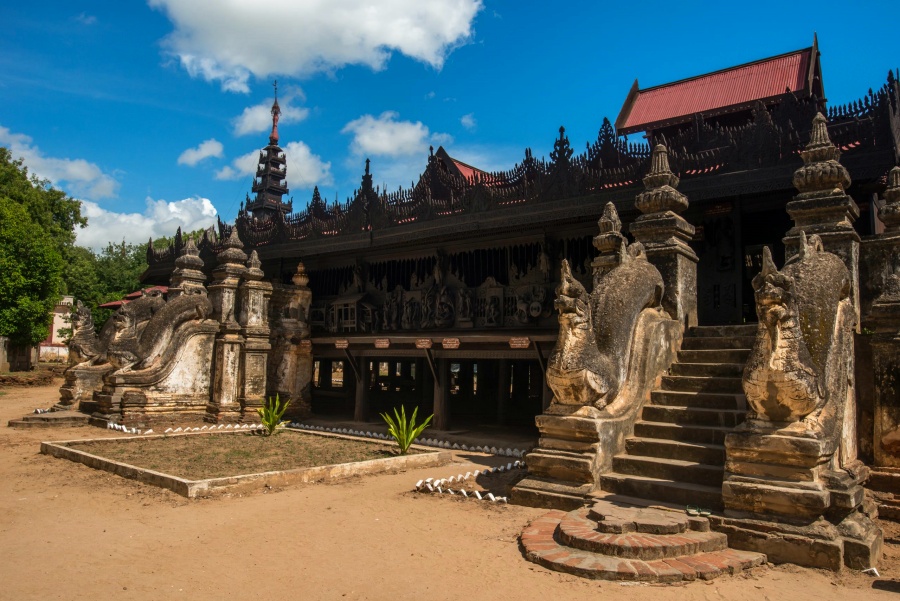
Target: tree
(30, 275)
(52, 209)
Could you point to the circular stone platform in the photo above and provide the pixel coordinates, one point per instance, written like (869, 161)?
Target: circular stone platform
(615, 541)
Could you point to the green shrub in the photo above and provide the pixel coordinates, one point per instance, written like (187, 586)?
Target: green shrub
(270, 414)
(402, 430)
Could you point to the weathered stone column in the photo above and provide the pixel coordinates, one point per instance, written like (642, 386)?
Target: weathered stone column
(884, 317)
(224, 404)
(254, 295)
(290, 368)
(665, 235)
(823, 207)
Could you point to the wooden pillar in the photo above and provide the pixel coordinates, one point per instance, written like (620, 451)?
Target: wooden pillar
(502, 391)
(325, 369)
(442, 395)
(361, 405)
(427, 389)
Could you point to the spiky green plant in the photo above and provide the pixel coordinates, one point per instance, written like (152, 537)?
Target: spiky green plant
(402, 430)
(270, 414)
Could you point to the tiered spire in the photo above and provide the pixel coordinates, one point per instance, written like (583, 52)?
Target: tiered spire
(270, 184)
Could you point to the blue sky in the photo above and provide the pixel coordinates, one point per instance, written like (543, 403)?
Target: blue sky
(148, 112)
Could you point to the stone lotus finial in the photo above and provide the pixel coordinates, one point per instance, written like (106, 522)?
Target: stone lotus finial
(610, 236)
(253, 267)
(300, 278)
(189, 257)
(660, 194)
(609, 221)
(821, 174)
(232, 250)
(660, 172)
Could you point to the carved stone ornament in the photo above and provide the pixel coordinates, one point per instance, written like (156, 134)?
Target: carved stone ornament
(821, 174)
(660, 194)
(590, 359)
(786, 378)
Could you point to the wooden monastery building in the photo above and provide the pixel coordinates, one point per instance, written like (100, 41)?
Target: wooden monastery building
(441, 295)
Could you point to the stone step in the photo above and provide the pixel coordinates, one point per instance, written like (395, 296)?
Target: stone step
(578, 531)
(748, 329)
(704, 343)
(645, 487)
(704, 400)
(712, 454)
(727, 355)
(54, 419)
(725, 418)
(540, 546)
(702, 384)
(668, 431)
(707, 370)
(669, 469)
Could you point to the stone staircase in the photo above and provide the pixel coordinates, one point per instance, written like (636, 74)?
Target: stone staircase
(616, 540)
(53, 419)
(677, 453)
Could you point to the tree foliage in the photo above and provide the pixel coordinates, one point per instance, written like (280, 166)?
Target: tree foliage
(30, 275)
(39, 260)
(51, 209)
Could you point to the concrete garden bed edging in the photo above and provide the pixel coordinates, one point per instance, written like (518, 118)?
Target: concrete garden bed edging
(195, 488)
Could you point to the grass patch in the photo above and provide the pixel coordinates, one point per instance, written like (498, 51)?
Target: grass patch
(202, 456)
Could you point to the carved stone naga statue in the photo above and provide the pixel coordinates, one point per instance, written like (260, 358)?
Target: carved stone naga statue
(798, 371)
(144, 328)
(85, 347)
(589, 363)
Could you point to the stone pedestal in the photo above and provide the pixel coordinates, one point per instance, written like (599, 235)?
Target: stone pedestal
(79, 386)
(793, 484)
(254, 297)
(823, 207)
(227, 387)
(578, 444)
(665, 236)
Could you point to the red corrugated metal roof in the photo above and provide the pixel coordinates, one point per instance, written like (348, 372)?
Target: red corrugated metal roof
(467, 171)
(735, 86)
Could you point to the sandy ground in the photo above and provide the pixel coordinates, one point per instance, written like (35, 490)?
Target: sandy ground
(70, 532)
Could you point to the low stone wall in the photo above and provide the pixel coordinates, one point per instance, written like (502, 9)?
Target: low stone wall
(247, 482)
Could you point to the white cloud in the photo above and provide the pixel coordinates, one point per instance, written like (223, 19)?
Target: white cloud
(86, 19)
(81, 178)
(304, 169)
(241, 38)
(206, 149)
(385, 136)
(227, 172)
(468, 121)
(258, 118)
(160, 218)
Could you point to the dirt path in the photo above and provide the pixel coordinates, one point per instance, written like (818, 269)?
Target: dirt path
(70, 532)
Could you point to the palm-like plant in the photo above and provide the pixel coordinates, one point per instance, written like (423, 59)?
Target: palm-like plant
(270, 414)
(402, 430)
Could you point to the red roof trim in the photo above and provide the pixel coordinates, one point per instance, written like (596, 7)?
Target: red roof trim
(720, 91)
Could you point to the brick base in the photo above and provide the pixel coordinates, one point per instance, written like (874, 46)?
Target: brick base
(578, 543)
